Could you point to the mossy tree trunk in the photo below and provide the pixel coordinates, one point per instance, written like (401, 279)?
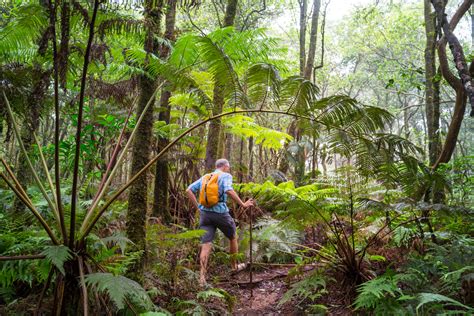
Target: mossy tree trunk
(432, 88)
(137, 199)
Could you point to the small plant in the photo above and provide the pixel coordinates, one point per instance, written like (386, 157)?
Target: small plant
(306, 292)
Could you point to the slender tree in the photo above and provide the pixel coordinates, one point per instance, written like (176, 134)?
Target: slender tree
(138, 196)
(431, 85)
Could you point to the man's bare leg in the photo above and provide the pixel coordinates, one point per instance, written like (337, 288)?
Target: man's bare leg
(233, 249)
(203, 259)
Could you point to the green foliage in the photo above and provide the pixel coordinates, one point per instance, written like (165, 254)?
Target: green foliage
(308, 291)
(58, 255)
(245, 127)
(273, 242)
(382, 295)
(219, 294)
(119, 289)
(430, 298)
(18, 275)
(26, 22)
(197, 306)
(426, 284)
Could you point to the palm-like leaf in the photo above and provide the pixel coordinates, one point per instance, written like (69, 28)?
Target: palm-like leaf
(119, 289)
(19, 37)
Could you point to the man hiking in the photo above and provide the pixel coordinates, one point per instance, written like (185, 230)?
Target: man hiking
(213, 190)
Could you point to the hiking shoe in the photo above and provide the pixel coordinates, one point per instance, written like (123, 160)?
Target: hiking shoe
(240, 267)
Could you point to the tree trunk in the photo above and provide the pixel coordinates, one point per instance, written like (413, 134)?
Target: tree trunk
(312, 40)
(63, 53)
(137, 199)
(461, 86)
(303, 11)
(432, 85)
(161, 201)
(214, 141)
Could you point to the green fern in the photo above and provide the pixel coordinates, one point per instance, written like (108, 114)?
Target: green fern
(432, 298)
(372, 293)
(119, 289)
(309, 289)
(219, 294)
(58, 255)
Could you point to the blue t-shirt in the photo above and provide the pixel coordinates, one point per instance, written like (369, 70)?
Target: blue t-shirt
(225, 184)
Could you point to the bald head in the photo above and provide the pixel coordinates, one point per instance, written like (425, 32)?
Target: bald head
(220, 163)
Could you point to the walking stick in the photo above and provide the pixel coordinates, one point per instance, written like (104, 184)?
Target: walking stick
(251, 257)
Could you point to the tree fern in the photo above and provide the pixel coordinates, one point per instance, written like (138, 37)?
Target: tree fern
(119, 289)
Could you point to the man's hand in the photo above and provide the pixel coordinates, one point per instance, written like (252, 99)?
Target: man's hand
(248, 203)
(236, 198)
(193, 199)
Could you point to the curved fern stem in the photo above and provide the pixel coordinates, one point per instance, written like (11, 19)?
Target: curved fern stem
(28, 203)
(48, 176)
(23, 149)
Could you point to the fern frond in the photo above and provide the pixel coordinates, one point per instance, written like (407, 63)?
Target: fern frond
(427, 298)
(58, 255)
(372, 292)
(119, 289)
(263, 84)
(27, 22)
(297, 95)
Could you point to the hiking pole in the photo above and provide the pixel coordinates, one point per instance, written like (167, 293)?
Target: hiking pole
(251, 257)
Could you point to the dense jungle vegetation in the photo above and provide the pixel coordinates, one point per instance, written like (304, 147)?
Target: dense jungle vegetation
(350, 123)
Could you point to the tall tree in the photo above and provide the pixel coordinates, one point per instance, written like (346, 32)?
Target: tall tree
(161, 201)
(313, 37)
(431, 85)
(214, 139)
(137, 199)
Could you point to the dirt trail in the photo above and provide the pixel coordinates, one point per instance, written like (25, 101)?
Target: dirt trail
(269, 285)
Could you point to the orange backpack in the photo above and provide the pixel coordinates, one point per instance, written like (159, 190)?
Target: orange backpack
(209, 193)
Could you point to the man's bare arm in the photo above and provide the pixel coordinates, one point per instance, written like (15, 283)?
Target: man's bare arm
(192, 197)
(237, 199)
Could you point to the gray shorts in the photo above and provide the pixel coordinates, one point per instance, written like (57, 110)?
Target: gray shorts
(211, 220)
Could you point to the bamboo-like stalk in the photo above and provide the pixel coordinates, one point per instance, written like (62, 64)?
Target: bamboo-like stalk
(59, 204)
(75, 177)
(48, 176)
(35, 212)
(83, 286)
(91, 210)
(22, 257)
(113, 158)
(23, 149)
